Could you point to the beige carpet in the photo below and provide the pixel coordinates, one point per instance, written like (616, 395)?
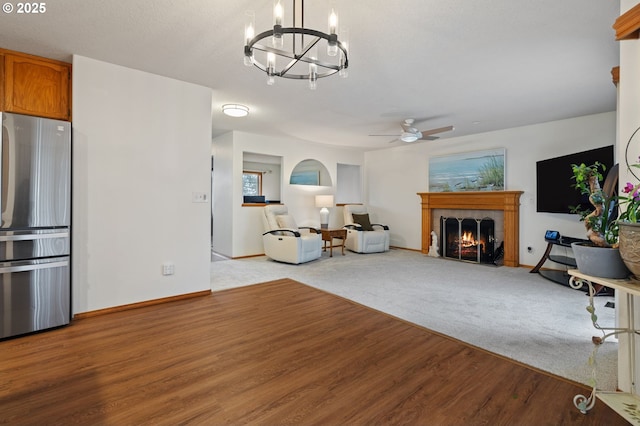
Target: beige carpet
(505, 310)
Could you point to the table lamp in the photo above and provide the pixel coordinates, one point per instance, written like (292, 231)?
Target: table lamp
(324, 201)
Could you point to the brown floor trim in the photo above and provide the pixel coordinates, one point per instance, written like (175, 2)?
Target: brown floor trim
(121, 308)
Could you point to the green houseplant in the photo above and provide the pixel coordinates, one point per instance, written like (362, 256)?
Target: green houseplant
(601, 224)
(601, 257)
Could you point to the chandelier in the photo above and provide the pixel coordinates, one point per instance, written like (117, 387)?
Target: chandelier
(296, 52)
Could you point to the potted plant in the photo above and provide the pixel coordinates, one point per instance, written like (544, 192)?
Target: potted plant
(600, 257)
(629, 221)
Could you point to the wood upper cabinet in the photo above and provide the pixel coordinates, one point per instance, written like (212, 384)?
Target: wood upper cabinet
(35, 86)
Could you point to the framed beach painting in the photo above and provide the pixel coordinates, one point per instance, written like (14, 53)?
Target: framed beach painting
(311, 177)
(468, 171)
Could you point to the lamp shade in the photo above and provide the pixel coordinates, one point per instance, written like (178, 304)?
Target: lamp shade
(324, 200)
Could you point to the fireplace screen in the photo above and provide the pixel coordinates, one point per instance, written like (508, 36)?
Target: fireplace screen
(468, 239)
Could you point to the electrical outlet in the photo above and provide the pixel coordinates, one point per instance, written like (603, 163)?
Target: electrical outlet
(199, 197)
(168, 268)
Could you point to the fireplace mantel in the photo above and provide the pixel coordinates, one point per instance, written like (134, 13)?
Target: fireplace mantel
(507, 201)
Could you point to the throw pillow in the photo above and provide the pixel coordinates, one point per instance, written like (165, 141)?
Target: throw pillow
(363, 220)
(287, 222)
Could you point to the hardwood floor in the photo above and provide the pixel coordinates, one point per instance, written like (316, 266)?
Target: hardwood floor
(274, 353)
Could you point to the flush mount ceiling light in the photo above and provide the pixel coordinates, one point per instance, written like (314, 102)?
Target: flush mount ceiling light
(296, 46)
(235, 110)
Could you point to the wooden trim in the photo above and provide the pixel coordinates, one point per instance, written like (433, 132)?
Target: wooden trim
(34, 57)
(70, 100)
(249, 256)
(121, 308)
(2, 80)
(627, 26)
(615, 75)
(405, 248)
(507, 201)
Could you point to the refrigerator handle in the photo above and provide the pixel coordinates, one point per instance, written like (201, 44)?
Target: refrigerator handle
(33, 267)
(27, 237)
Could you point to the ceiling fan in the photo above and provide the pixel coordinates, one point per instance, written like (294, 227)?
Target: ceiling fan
(412, 134)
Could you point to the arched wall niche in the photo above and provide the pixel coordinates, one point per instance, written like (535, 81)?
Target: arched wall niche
(310, 172)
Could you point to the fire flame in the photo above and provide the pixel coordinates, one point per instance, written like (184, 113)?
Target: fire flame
(467, 240)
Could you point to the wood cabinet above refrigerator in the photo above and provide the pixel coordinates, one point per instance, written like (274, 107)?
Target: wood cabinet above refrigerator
(33, 85)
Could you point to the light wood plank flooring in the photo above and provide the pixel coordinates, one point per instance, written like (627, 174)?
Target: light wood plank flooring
(275, 353)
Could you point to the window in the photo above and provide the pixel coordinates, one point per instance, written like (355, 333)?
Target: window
(251, 183)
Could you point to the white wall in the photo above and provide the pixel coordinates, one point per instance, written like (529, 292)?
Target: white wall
(349, 184)
(222, 199)
(141, 146)
(237, 230)
(394, 176)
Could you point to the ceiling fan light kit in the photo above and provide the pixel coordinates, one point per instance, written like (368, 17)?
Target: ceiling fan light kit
(411, 134)
(408, 137)
(299, 57)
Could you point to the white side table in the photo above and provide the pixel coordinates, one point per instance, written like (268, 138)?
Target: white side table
(627, 404)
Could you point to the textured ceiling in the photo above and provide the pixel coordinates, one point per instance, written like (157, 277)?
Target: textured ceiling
(479, 65)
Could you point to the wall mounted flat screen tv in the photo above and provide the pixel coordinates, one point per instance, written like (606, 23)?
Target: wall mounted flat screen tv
(554, 184)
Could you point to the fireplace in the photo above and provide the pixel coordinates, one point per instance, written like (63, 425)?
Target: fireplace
(468, 239)
(505, 202)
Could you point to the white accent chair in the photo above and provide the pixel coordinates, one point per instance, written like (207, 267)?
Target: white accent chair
(363, 236)
(284, 241)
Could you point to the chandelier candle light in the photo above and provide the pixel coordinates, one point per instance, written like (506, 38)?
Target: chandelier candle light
(324, 201)
(299, 55)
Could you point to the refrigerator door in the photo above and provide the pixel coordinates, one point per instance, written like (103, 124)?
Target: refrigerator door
(34, 243)
(34, 295)
(35, 172)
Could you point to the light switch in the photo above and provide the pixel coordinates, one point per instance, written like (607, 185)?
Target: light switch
(168, 268)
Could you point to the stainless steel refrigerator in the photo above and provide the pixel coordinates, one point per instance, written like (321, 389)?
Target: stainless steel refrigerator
(35, 202)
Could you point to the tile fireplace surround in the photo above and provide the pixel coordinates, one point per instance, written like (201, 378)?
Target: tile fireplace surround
(506, 201)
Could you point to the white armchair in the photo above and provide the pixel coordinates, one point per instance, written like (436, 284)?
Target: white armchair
(284, 241)
(362, 235)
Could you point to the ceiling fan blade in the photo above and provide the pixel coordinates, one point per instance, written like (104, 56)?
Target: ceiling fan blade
(386, 135)
(430, 132)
